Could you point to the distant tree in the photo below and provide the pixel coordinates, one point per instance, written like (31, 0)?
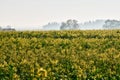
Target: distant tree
(63, 26)
(69, 25)
(0, 28)
(51, 26)
(111, 24)
(8, 28)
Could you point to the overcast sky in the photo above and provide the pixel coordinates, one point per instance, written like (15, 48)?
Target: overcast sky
(40, 12)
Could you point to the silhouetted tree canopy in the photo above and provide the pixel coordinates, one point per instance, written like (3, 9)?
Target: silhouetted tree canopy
(69, 25)
(111, 24)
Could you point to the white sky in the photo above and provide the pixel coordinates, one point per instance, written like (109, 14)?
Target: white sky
(40, 12)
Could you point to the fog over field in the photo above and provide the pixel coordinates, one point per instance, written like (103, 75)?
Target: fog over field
(89, 25)
(98, 24)
(34, 14)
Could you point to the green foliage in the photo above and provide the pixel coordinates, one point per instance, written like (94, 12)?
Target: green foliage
(60, 55)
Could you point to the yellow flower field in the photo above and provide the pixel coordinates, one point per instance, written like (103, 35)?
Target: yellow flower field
(60, 55)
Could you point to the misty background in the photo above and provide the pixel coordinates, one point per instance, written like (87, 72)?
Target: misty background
(70, 24)
(34, 14)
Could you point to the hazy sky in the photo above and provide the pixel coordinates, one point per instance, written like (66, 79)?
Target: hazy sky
(39, 12)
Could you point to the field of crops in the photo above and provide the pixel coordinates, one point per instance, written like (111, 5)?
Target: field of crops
(60, 55)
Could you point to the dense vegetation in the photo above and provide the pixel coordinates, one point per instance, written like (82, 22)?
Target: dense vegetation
(60, 55)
